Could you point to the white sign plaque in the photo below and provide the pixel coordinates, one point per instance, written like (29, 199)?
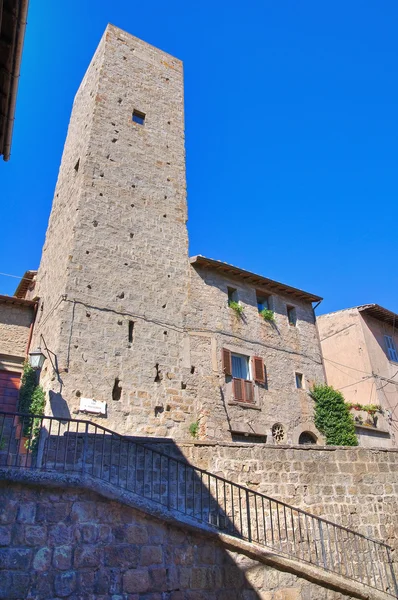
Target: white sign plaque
(92, 406)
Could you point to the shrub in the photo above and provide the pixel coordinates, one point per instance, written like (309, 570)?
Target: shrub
(32, 400)
(238, 308)
(194, 429)
(267, 314)
(332, 416)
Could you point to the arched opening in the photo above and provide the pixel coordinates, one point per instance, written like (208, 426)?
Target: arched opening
(307, 438)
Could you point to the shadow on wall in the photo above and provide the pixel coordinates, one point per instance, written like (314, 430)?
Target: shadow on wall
(129, 559)
(59, 406)
(165, 484)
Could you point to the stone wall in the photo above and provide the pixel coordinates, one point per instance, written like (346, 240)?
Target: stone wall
(114, 273)
(354, 487)
(132, 324)
(58, 543)
(285, 350)
(15, 321)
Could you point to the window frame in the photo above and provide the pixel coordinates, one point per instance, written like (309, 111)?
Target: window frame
(243, 390)
(232, 294)
(391, 348)
(139, 117)
(263, 300)
(290, 309)
(299, 378)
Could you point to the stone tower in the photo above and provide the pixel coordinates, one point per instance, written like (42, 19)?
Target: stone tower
(113, 278)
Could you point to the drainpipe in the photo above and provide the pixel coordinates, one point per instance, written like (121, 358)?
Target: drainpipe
(31, 328)
(15, 74)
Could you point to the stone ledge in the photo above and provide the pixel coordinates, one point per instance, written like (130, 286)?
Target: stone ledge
(301, 569)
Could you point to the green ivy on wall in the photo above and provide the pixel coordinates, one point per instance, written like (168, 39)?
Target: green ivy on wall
(332, 416)
(32, 400)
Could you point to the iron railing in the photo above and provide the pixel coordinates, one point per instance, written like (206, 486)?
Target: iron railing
(70, 445)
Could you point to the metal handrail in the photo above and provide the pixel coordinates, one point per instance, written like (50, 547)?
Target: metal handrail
(74, 445)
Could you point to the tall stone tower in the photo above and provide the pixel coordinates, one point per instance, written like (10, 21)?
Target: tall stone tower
(113, 278)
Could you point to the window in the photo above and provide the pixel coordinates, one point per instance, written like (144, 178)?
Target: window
(307, 438)
(232, 295)
(262, 302)
(299, 381)
(291, 315)
(138, 117)
(249, 438)
(238, 367)
(391, 349)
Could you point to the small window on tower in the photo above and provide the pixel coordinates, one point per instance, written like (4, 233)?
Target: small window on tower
(138, 117)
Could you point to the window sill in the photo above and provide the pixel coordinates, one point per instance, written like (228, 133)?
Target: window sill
(371, 428)
(243, 405)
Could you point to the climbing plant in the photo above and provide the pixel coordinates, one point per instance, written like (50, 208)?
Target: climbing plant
(332, 416)
(32, 400)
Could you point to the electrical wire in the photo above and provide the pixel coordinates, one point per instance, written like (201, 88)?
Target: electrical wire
(16, 277)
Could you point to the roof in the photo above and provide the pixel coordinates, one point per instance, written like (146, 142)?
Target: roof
(252, 278)
(25, 283)
(373, 310)
(12, 31)
(16, 301)
(378, 312)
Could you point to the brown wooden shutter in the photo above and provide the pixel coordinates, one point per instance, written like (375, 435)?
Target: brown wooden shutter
(226, 361)
(249, 391)
(238, 390)
(259, 374)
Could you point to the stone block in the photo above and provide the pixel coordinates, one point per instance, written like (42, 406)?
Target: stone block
(121, 556)
(158, 579)
(65, 583)
(60, 535)
(5, 535)
(8, 511)
(35, 535)
(26, 512)
(83, 512)
(62, 557)
(136, 534)
(15, 558)
(151, 555)
(136, 581)
(42, 559)
(87, 556)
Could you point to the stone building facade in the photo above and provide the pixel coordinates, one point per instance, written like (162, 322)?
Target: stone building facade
(136, 327)
(16, 321)
(360, 349)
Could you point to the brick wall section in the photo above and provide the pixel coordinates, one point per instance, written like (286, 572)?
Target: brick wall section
(63, 544)
(354, 487)
(284, 349)
(15, 322)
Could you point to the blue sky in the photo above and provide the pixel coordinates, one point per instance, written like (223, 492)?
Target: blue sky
(291, 134)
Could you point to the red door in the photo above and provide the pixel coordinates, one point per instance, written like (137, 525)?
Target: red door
(9, 390)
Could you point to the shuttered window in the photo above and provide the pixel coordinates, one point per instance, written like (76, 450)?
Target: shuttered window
(243, 390)
(226, 362)
(238, 367)
(391, 349)
(258, 369)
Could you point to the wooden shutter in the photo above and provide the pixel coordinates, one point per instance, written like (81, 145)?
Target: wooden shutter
(239, 393)
(258, 368)
(249, 391)
(226, 361)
